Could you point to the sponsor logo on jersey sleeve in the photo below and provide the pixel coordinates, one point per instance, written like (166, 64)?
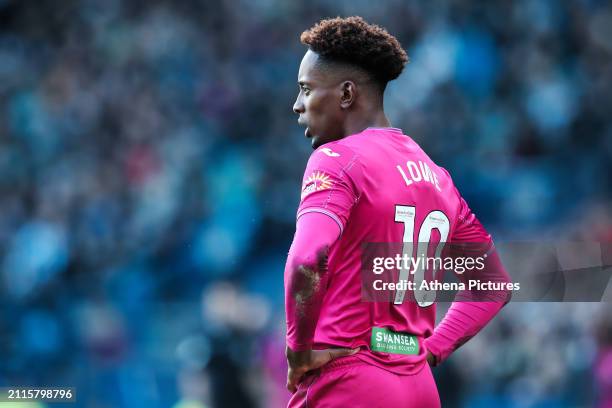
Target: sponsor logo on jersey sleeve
(317, 181)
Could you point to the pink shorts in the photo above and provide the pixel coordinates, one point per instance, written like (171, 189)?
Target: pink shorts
(350, 382)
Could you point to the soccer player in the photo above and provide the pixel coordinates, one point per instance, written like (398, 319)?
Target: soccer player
(367, 182)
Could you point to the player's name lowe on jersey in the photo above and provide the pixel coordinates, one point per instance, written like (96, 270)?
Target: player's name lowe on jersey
(416, 173)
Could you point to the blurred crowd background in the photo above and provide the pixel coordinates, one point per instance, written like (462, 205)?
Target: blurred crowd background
(150, 167)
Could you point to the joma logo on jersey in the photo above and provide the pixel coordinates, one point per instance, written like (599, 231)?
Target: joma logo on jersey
(330, 152)
(315, 182)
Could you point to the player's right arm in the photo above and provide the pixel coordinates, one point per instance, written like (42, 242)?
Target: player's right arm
(327, 198)
(306, 277)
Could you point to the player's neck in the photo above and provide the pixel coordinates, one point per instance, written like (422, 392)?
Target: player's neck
(375, 119)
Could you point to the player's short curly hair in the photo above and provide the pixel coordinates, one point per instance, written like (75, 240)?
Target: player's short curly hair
(352, 40)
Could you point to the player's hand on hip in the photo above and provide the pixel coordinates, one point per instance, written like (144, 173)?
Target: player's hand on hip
(431, 359)
(300, 362)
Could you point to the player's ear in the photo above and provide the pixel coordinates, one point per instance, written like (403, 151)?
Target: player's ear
(348, 94)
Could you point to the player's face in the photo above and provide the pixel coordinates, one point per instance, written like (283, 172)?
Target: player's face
(318, 102)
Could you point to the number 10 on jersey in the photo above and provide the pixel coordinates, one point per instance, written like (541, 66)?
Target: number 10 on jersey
(434, 220)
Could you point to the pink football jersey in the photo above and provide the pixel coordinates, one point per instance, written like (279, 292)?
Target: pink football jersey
(380, 186)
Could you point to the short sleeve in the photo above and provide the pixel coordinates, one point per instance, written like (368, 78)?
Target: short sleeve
(329, 184)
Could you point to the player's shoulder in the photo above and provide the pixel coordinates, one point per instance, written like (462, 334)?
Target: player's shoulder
(445, 173)
(420, 160)
(446, 180)
(453, 195)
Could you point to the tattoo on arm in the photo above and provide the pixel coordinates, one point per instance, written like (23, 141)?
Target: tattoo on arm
(308, 280)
